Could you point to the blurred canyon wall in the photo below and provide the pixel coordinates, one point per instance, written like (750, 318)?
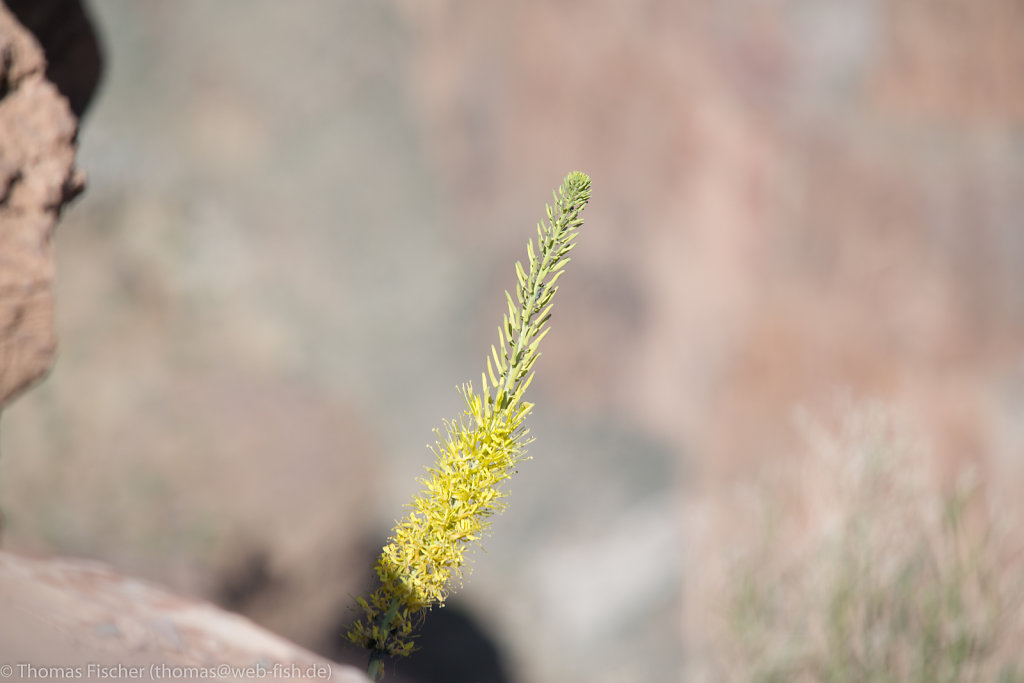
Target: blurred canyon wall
(791, 198)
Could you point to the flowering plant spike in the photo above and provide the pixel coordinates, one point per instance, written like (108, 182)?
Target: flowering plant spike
(425, 556)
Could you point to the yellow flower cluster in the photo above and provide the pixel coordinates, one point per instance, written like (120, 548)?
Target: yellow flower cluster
(426, 554)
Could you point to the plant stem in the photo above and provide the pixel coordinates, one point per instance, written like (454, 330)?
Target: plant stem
(375, 669)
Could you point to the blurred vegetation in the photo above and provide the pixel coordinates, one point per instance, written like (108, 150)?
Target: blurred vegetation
(893, 582)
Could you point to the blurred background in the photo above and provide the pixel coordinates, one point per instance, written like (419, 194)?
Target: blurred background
(300, 221)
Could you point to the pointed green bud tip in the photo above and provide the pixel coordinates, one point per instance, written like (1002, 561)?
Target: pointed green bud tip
(577, 182)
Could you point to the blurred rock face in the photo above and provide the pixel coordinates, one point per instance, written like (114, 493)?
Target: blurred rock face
(793, 200)
(83, 618)
(37, 177)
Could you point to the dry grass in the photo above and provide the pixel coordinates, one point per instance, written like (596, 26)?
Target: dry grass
(861, 569)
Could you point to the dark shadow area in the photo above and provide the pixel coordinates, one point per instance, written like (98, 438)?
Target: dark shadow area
(249, 580)
(453, 646)
(74, 59)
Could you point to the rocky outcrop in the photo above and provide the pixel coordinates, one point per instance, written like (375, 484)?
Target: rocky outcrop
(37, 178)
(89, 622)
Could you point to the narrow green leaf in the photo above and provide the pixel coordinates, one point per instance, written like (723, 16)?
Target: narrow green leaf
(545, 313)
(520, 273)
(517, 397)
(490, 371)
(536, 342)
(500, 360)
